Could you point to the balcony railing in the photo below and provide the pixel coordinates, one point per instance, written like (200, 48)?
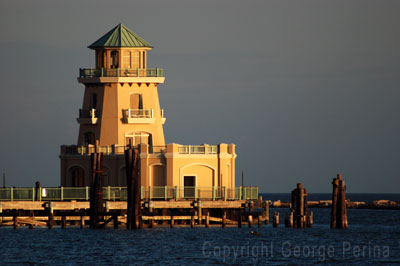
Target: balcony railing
(120, 193)
(87, 116)
(138, 116)
(83, 113)
(157, 149)
(198, 149)
(120, 72)
(138, 113)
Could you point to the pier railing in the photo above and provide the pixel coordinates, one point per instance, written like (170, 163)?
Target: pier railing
(120, 193)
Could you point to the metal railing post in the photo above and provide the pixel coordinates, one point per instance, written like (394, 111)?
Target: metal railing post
(165, 193)
(87, 193)
(150, 193)
(33, 194)
(109, 192)
(40, 194)
(213, 193)
(176, 192)
(11, 193)
(62, 193)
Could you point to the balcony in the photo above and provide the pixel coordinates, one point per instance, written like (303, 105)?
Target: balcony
(87, 117)
(163, 118)
(138, 116)
(118, 72)
(198, 149)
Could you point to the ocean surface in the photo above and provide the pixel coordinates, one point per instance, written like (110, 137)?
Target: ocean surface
(373, 238)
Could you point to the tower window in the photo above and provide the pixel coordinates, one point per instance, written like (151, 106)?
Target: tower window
(93, 101)
(114, 59)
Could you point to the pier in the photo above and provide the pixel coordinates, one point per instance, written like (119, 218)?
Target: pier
(154, 213)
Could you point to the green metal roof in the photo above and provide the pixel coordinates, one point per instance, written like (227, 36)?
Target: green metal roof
(120, 36)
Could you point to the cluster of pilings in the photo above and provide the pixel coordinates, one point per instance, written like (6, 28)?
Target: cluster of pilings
(299, 216)
(339, 212)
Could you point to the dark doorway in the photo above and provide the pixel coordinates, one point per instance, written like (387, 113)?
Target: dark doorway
(78, 177)
(189, 183)
(90, 138)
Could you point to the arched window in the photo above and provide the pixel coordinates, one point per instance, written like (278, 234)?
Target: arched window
(137, 138)
(136, 101)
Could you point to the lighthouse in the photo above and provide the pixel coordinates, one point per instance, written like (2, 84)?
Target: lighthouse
(120, 107)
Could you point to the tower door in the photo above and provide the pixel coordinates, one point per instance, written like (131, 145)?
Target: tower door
(189, 183)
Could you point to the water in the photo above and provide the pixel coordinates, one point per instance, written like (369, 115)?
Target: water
(366, 197)
(373, 238)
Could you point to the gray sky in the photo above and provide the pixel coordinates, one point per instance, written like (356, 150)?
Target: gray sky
(303, 88)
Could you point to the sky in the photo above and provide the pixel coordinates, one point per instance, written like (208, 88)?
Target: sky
(305, 89)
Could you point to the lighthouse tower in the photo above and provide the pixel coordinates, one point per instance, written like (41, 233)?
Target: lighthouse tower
(120, 106)
(121, 102)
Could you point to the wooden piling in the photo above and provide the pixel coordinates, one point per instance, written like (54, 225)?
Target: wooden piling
(199, 211)
(223, 218)
(96, 188)
(82, 221)
(63, 222)
(192, 221)
(310, 220)
(239, 220)
(275, 220)
(132, 163)
(259, 221)
(335, 192)
(115, 221)
(15, 222)
(250, 221)
(172, 222)
(50, 220)
(299, 208)
(37, 191)
(339, 210)
(266, 212)
(207, 219)
(251, 206)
